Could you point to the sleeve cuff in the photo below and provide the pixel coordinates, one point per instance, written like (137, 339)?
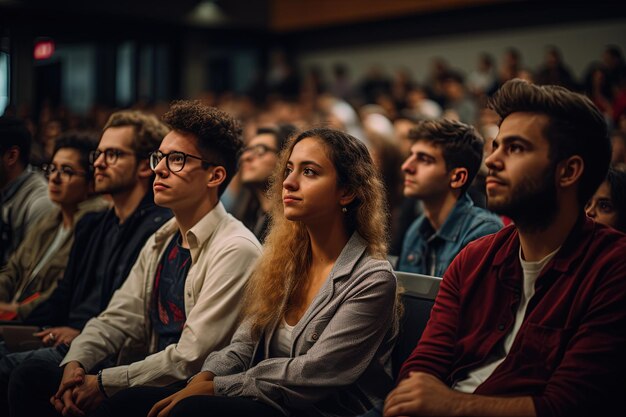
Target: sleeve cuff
(228, 386)
(115, 379)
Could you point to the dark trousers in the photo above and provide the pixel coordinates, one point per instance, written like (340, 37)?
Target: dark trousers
(138, 401)
(31, 386)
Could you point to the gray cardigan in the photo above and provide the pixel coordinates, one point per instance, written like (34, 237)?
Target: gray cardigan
(340, 360)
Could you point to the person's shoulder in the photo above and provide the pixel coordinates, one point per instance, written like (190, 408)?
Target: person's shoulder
(151, 213)
(35, 181)
(92, 218)
(481, 215)
(231, 231)
(480, 222)
(372, 269)
(491, 240)
(608, 246)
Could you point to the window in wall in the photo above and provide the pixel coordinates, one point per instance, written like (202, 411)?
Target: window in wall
(4, 81)
(125, 81)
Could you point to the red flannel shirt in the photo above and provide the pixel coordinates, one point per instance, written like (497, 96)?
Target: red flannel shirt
(570, 352)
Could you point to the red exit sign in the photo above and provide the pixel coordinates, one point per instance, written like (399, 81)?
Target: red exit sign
(43, 49)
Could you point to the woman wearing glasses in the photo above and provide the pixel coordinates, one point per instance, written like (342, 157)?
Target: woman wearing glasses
(320, 312)
(32, 272)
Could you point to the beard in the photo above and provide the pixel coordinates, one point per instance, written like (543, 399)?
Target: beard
(118, 186)
(532, 204)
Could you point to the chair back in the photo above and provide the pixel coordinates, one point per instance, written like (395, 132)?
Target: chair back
(418, 299)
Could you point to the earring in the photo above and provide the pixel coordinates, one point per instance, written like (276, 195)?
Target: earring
(344, 210)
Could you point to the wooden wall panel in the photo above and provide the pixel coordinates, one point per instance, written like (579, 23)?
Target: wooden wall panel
(291, 15)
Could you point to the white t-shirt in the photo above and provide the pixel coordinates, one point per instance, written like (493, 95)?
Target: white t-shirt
(480, 374)
(280, 345)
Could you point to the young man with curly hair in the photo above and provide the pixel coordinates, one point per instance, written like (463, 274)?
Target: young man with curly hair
(181, 300)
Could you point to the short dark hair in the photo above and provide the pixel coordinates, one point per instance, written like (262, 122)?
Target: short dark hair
(453, 76)
(281, 132)
(13, 132)
(460, 144)
(219, 135)
(575, 127)
(84, 141)
(149, 131)
(617, 182)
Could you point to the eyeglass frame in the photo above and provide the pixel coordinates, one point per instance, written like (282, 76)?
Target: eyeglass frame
(263, 146)
(62, 170)
(166, 156)
(94, 155)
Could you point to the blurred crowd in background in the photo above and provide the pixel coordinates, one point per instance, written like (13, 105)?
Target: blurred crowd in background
(379, 109)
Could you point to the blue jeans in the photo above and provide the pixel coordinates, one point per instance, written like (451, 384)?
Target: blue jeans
(9, 361)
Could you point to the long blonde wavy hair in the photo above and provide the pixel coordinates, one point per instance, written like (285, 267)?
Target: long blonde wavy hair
(287, 249)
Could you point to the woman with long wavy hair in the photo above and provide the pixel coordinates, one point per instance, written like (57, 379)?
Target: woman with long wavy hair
(320, 312)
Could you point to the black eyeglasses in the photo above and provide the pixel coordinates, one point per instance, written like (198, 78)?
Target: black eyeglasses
(258, 150)
(175, 160)
(110, 155)
(64, 171)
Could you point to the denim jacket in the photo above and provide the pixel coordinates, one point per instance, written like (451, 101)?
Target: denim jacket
(428, 251)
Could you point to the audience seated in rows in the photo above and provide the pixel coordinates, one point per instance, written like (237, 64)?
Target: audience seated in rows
(23, 192)
(530, 320)
(181, 299)
(106, 244)
(33, 270)
(320, 317)
(445, 157)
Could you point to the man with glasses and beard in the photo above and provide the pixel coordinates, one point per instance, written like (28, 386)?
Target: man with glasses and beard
(106, 244)
(181, 300)
(531, 320)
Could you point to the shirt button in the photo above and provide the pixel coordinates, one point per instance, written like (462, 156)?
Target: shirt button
(314, 336)
(500, 327)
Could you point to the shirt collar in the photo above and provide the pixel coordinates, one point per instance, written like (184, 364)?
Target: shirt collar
(199, 233)
(451, 227)
(349, 256)
(573, 247)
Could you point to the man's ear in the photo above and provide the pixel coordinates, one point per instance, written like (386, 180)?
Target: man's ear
(569, 171)
(346, 198)
(458, 178)
(216, 177)
(11, 156)
(143, 169)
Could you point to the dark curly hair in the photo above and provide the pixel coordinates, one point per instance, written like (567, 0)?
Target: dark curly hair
(219, 135)
(575, 127)
(461, 145)
(84, 141)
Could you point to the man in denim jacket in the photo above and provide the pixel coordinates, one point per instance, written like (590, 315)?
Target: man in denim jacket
(445, 157)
